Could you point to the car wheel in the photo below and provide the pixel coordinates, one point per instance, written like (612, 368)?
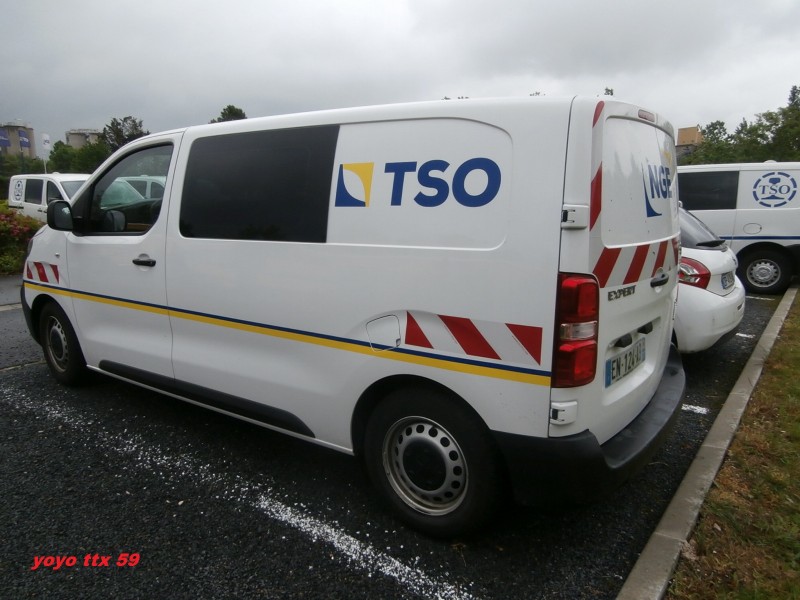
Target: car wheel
(62, 352)
(765, 272)
(433, 461)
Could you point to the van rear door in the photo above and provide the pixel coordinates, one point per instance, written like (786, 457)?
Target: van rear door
(621, 227)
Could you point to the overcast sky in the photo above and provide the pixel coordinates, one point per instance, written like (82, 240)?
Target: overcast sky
(77, 64)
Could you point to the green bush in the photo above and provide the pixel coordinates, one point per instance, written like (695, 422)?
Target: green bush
(15, 231)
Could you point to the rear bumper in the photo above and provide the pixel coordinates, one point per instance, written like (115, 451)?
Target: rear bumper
(574, 469)
(703, 318)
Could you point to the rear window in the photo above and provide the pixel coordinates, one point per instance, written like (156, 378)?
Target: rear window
(714, 190)
(638, 185)
(695, 233)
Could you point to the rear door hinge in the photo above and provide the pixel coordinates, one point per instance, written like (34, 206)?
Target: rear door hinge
(574, 216)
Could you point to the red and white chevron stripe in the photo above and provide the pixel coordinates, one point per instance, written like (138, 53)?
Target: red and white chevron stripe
(42, 272)
(507, 342)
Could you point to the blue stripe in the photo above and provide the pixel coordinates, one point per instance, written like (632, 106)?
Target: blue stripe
(333, 338)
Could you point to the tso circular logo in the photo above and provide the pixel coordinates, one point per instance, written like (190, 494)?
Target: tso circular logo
(19, 189)
(774, 189)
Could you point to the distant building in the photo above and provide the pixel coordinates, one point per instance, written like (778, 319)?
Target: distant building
(688, 139)
(78, 138)
(17, 139)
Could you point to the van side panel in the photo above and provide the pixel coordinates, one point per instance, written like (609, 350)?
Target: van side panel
(440, 263)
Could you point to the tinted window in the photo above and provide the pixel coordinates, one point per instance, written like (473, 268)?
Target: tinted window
(52, 192)
(695, 233)
(264, 185)
(33, 191)
(708, 191)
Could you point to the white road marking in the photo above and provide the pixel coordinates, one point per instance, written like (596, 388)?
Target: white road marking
(748, 336)
(361, 555)
(700, 410)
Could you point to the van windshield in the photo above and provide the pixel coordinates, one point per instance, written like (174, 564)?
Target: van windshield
(70, 187)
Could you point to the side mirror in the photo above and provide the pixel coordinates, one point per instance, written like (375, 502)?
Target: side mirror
(59, 215)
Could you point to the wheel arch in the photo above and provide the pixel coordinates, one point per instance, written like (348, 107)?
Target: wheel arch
(376, 392)
(37, 306)
(767, 247)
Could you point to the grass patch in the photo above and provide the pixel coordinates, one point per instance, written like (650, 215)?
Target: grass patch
(747, 541)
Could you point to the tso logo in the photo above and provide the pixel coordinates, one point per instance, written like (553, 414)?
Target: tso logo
(433, 182)
(19, 189)
(657, 186)
(774, 189)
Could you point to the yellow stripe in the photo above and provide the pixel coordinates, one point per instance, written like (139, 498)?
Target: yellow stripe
(426, 361)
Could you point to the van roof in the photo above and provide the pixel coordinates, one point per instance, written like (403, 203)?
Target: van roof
(56, 176)
(435, 108)
(768, 164)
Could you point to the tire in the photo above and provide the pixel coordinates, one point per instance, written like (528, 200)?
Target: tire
(433, 462)
(62, 352)
(765, 272)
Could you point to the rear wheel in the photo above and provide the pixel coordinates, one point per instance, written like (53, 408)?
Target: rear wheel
(62, 352)
(765, 271)
(433, 461)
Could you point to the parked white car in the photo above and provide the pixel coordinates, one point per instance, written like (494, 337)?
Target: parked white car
(710, 296)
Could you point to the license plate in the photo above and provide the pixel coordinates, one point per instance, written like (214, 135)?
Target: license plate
(624, 364)
(727, 280)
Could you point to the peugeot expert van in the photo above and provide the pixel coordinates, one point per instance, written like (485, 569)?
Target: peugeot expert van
(469, 296)
(756, 209)
(31, 194)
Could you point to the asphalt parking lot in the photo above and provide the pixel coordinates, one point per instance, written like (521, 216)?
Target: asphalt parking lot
(113, 491)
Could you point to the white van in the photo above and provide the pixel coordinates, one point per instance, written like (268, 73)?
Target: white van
(466, 294)
(755, 207)
(32, 193)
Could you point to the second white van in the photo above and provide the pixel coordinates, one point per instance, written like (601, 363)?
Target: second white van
(755, 207)
(473, 297)
(31, 194)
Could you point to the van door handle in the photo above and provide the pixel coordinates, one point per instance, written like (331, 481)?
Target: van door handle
(144, 261)
(659, 280)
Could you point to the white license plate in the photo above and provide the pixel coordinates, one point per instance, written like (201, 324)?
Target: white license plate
(727, 280)
(624, 364)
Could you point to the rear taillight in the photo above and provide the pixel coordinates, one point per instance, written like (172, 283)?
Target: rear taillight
(693, 272)
(577, 313)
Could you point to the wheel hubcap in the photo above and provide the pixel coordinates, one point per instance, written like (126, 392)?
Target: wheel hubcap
(57, 347)
(425, 465)
(763, 273)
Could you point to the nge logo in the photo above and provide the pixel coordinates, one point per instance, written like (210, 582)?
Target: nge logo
(774, 189)
(659, 179)
(475, 182)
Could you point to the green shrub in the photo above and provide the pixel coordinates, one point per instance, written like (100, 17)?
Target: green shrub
(15, 231)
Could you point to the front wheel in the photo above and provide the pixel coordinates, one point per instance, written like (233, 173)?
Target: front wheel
(765, 272)
(62, 352)
(433, 461)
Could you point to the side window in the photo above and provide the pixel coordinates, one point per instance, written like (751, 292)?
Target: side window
(715, 190)
(53, 193)
(33, 191)
(264, 185)
(113, 205)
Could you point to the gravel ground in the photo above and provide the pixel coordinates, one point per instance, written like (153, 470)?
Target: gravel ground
(214, 507)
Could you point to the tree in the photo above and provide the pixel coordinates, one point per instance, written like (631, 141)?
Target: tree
(772, 135)
(61, 157)
(229, 113)
(90, 156)
(119, 132)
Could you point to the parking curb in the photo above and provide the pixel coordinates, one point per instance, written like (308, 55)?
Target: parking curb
(650, 576)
